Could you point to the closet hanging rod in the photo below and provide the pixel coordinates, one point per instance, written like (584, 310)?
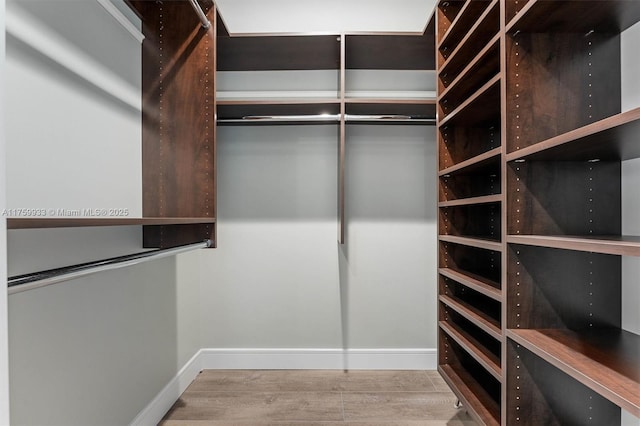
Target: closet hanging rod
(34, 280)
(201, 15)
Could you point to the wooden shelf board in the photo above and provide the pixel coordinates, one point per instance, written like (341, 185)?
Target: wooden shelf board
(235, 110)
(479, 107)
(414, 52)
(459, 57)
(32, 223)
(614, 138)
(477, 163)
(485, 199)
(474, 398)
(486, 62)
(560, 16)
(467, 15)
(476, 316)
(475, 282)
(415, 108)
(472, 242)
(277, 101)
(624, 245)
(605, 360)
(490, 362)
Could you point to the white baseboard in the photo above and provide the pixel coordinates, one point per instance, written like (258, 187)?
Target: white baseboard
(158, 407)
(319, 359)
(282, 359)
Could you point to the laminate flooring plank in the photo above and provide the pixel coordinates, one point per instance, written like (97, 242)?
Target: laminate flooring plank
(312, 381)
(263, 406)
(317, 397)
(387, 406)
(365, 423)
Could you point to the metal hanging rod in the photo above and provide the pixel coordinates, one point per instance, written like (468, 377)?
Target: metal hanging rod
(201, 15)
(34, 280)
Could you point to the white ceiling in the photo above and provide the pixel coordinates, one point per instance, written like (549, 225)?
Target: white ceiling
(326, 16)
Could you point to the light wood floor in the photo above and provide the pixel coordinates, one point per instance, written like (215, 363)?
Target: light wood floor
(323, 397)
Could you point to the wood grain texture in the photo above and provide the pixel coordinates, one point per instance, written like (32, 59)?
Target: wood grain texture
(178, 140)
(613, 138)
(482, 406)
(282, 397)
(388, 52)
(278, 53)
(564, 198)
(475, 221)
(551, 288)
(605, 360)
(472, 260)
(451, 63)
(470, 149)
(559, 16)
(558, 83)
(468, 342)
(474, 282)
(542, 394)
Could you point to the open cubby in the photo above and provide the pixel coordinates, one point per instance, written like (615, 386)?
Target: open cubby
(564, 198)
(458, 144)
(554, 288)
(460, 187)
(470, 380)
(540, 394)
(486, 306)
(471, 260)
(452, 59)
(475, 220)
(456, 88)
(585, 86)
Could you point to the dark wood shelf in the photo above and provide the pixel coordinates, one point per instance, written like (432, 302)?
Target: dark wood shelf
(487, 26)
(258, 111)
(476, 165)
(472, 242)
(481, 68)
(33, 223)
(482, 356)
(272, 53)
(485, 199)
(543, 16)
(391, 110)
(475, 282)
(624, 245)
(466, 18)
(483, 321)
(475, 399)
(605, 360)
(613, 138)
(391, 52)
(482, 106)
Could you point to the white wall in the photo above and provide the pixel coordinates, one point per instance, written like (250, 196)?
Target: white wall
(630, 194)
(4, 351)
(329, 16)
(72, 143)
(279, 279)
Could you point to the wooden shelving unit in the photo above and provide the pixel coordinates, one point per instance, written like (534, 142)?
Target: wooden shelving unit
(530, 125)
(566, 137)
(178, 159)
(471, 202)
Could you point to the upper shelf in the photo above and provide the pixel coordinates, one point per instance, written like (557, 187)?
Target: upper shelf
(614, 138)
(465, 19)
(74, 222)
(617, 245)
(560, 16)
(607, 361)
(388, 52)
